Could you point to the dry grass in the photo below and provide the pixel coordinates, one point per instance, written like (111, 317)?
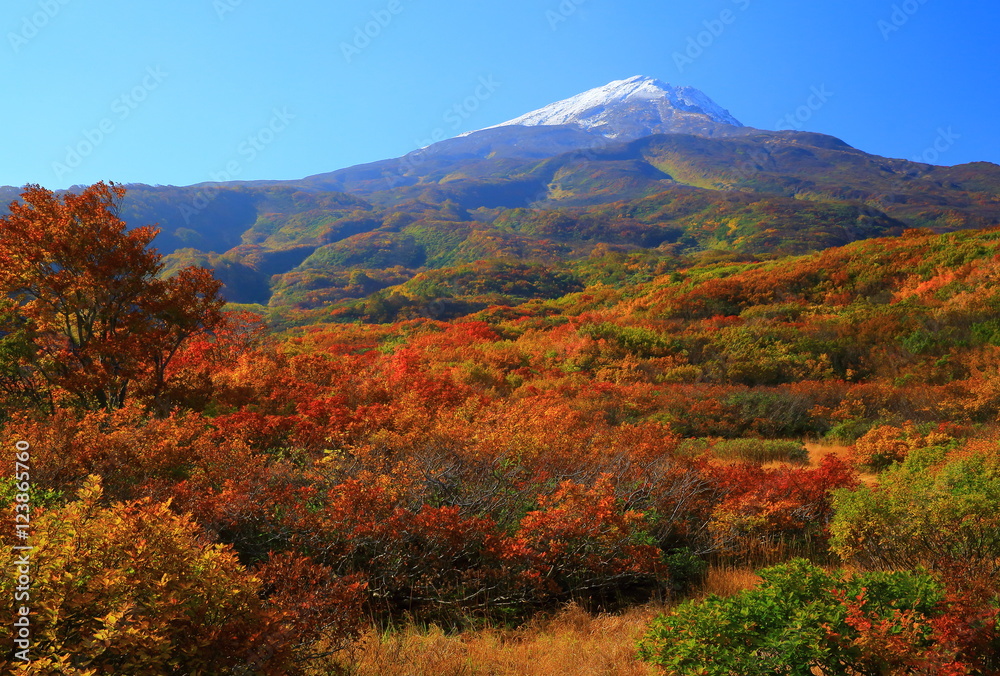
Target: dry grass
(816, 454)
(760, 451)
(574, 642)
(726, 580)
(818, 451)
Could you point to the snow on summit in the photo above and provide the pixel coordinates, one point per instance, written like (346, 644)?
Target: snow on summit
(615, 109)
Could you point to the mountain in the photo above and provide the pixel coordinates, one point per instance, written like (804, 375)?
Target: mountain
(636, 169)
(633, 108)
(622, 110)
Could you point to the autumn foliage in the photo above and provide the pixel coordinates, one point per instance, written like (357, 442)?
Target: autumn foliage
(85, 322)
(215, 496)
(135, 588)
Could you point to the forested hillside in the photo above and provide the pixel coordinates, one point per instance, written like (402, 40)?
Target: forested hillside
(551, 197)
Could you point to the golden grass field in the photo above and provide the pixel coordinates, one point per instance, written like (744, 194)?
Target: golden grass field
(572, 643)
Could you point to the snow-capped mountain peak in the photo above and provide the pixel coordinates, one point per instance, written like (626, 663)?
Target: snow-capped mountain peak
(632, 108)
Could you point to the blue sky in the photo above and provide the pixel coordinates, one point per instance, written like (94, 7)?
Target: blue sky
(192, 90)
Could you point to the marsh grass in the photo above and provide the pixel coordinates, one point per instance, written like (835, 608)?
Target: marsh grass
(760, 451)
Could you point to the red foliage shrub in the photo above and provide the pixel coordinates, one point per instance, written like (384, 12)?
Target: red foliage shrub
(761, 506)
(582, 543)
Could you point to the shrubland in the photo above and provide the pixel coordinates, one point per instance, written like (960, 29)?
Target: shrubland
(606, 445)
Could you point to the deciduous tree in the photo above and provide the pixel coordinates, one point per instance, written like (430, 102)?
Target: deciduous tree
(85, 320)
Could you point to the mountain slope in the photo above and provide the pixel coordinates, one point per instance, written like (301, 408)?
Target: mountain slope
(762, 194)
(619, 111)
(637, 166)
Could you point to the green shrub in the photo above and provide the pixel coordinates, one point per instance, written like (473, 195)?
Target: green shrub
(939, 509)
(772, 413)
(849, 431)
(692, 447)
(635, 340)
(685, 569)
(798, 619)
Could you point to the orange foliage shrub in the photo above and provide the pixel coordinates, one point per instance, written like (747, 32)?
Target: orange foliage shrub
(423, 559)
(881, 447)
(887, 445)
(125, 447)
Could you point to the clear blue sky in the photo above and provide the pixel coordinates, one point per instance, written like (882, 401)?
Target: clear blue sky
(174, 93)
